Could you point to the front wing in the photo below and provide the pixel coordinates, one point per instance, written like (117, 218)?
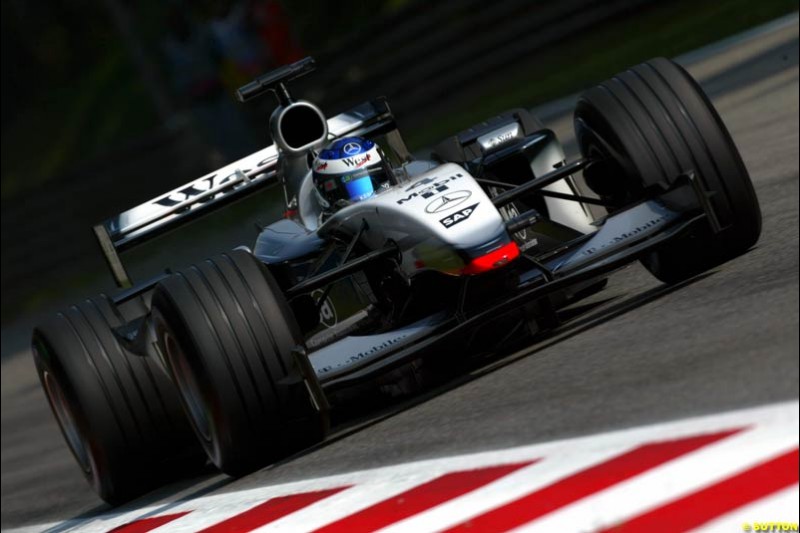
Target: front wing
(624, 237)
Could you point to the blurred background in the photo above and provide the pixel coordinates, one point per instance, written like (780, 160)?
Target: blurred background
(108, 103)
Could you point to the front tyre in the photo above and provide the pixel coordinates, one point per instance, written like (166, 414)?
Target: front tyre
(226, 333)
(647, 126)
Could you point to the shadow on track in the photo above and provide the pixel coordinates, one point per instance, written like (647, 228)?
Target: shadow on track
(577, 319)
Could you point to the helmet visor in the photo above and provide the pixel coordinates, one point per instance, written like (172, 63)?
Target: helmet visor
(354, 187)
(358, 187)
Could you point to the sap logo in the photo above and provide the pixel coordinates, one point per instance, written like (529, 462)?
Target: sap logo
(459, 216)
(428, 187)
(197, 188)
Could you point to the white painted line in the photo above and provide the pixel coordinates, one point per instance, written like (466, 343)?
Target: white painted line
(507, 489)
(771, 430)
(674, 479)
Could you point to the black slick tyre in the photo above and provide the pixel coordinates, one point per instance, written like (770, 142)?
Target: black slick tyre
(646, 127)
(226, 333)
(118, 412)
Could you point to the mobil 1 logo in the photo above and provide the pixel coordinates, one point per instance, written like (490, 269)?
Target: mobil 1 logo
(459, 216)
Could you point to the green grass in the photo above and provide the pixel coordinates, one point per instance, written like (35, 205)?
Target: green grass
(662, 29)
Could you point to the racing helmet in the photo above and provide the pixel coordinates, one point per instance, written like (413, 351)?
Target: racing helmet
(350, 170)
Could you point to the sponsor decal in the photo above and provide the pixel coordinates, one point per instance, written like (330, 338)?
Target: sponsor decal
(322, 166)
(633, 232)
(388, 343)
(327, 312)
(459, 216)
(500, 136)
(366, 353)
(428, 187)
(351, 148)
(501, 139)
(195, 189)
(447, 201)
(432, 179)
(357, 161)
(420, 183)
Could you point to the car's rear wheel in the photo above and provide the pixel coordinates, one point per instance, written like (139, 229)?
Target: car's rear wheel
(649, 125)
(226, 333)
(118, 411)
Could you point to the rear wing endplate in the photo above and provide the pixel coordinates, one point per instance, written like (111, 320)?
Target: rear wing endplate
(230, 183)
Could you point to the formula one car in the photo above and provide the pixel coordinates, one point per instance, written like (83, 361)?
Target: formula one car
(247, 352)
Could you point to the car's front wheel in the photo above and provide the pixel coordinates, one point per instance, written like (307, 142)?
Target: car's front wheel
(649, 125)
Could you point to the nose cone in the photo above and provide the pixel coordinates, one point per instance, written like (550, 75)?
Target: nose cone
(497, 258)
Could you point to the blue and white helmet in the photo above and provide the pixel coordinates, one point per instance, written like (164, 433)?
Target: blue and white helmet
(350, 170)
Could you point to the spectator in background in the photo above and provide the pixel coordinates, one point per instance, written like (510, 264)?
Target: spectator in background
(189, 53)
(250, 37)
(242, 54)
(195, 75)
(274, 30)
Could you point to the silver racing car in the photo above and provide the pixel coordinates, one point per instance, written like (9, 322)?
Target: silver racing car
(383, 263)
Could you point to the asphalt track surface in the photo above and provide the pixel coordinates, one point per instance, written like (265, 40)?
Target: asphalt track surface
(638, 353)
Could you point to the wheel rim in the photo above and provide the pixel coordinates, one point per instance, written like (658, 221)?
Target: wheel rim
(609, 159)
(188, 387)
(66, 420)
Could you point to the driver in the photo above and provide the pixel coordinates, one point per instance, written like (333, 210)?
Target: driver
(350, 170)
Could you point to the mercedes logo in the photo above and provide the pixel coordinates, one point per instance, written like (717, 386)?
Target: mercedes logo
(447, 201)
(351, 148)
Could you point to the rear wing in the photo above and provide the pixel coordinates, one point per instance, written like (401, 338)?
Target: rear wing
(232, 182)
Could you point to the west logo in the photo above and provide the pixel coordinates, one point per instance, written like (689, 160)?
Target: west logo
(356, 161)
(458, 216)
(195, 189)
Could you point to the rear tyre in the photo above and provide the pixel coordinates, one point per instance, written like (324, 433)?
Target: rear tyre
(647, 126)
(226, 333)
(118, 411)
